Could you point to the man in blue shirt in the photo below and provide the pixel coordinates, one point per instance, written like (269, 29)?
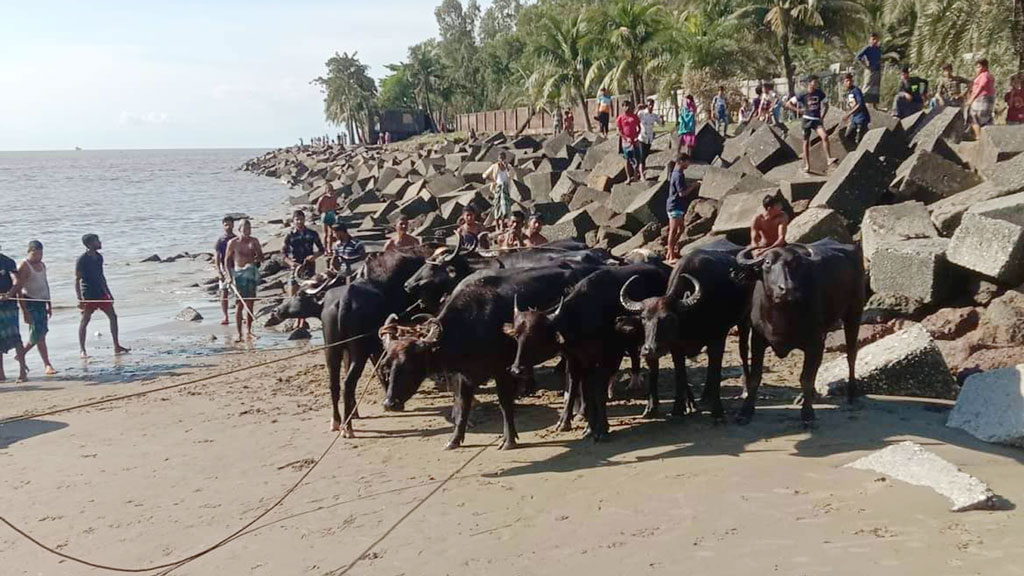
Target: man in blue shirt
(812, 105)
(858, 116)
(720, 106)
(871, 58)
(302, 246)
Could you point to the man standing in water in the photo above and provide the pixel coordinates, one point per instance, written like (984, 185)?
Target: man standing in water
(243, 258)
(10, 335)
(219, 249)
(302, 247)
(35, 303)
(93, 292)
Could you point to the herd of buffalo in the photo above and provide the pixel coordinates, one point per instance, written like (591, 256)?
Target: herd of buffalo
(469, 317)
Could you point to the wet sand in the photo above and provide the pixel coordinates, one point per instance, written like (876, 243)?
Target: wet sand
(155, 478)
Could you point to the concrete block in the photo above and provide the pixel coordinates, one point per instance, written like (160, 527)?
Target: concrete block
(550, 212)
(646, 235)
(474, 171)
(718, 181)
(626, 222)
(916, 269)
(585, 196)
(611, 237)
(610, 171)
(990, 407)
(911, 463)
(990, 240)
(905, 364)
(1008, 173)
(624, 194)
(947, 213)
(948, 123)
(442, 183)
(573, 225)
(709, 144)
(999, 143)
(649, 205)
(562, 191)
(885, 144)
(541, 184)
(766, 150)
(818, 224)
(525, 143)
(794, 183)
(599, 213)
(557, 145)
(700, 217)
(928, 177)
(858, 183)
(887, 224)
(387, 175)
(422, 204)
(912, 123)
(738, 210)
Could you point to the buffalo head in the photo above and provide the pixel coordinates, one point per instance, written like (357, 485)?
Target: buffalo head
(662, 315)
(438, 275)
(307, 303)
(536, 335)
(406, 362)
(783, 271)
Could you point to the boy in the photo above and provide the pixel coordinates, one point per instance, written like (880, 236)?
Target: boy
(769, 227)
(402, 238)
(950, 89)
(858, 117)
(36, 304)
(813, 104)
(647, 121)
(534, 236)
(719, 105)
(678, 201)
(871, 58)
(327, 207)
(604, 110)
(93, 293)
(629, 131)
(302, 247)
(1015, 101)
(347, 251)
(910, 98)
(983, 97)
(471, 232)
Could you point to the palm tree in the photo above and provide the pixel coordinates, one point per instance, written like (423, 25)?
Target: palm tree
(947, 29)
(349, 94)
(563, 48)
(424, 72)
(635, 34)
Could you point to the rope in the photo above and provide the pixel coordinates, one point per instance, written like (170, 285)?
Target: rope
(177, 563)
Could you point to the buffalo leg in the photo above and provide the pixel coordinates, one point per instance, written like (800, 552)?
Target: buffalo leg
(463, 401)
(634, 372)
(812, 360)
(744, 330)
(333, 358)
(356, 363)
(651, 411)
(507, 402)
(713, 380)
(573, 384)
(852, 328)
(757, 348)
(684, 395)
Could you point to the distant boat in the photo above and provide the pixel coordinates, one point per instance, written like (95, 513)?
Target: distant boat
(77, 149)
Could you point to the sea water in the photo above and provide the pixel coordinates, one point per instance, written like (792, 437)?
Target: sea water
(140, 203)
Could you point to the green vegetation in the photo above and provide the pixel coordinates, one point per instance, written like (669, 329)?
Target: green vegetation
(552, 53)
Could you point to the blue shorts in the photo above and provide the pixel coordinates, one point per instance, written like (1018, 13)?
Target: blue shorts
(676, 214)
(330, 217)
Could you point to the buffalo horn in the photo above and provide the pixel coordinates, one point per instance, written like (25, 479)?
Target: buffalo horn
(388, 330)
(745, 258)
(693, 297)
(557, 309)
(628, 303)
(455, 251)
(804, 249)
(435, 331)
(515, 305)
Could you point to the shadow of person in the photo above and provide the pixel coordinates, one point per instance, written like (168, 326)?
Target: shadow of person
(25, 429)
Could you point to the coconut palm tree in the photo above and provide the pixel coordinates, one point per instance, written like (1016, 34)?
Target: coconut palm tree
(564, 51)
(349, 94)
(424, 70)
(634, 36)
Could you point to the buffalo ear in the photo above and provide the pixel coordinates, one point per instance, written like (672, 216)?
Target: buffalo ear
(451, 271)
(509, 329)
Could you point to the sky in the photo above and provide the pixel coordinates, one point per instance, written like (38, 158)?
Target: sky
(106, 74)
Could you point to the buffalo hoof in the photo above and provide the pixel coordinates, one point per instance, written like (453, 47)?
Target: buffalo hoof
(453, 444)
(678, 412)
(508, 445)
(650, 413)
(335, 425)
(348, 432)
(564, 425)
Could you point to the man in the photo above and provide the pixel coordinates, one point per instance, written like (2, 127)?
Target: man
(327, 207)
(219, 249)
(857, 117)
(1015, 101)
(768, 112)
(470, 231)
(93, 293)
(911, 94)
(604, 110)
(569, 122)
(813, 105)
(629, 131)
(982, 102)
(243, 258)
(347, 251)
(534, 236)
(302, 247)
(500, 177)
(35, 303)
(647, 121)
(950, 89)
(720, 107)
(402, 239)
(769, 227)
(676, 204)
(10, 333)
(871, 58)
(514, 235)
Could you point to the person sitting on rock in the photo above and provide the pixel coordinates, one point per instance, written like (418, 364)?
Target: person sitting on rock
(769, 227)
(471, 231)
(534, 236)
(402, 238)
(513, 237)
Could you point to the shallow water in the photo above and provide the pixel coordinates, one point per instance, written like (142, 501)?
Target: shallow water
(140, 202)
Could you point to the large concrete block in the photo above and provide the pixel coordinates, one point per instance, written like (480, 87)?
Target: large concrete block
(550, 212)
(563, 190)
(525, 143)
(573, 225)
(474, 171)
(557, 145)
(990, 240)
(700, 217)
(709, 144)
(908, 363)
(928, 177)
(738, 210)
(948, 123)
(647, 234)
(990, 407)
(947, 213)
(541, 184)
(717, 181)
(887, 224)
(585, 196)
(442, 183)
(624, 194)
(649, 205)
(858, 183)
(885, 144)
(626, 222)
(766, 150)
(818, 224)
(794, 183)
(916, 269)
(999, 143)
(395, 188)
(1008, 173)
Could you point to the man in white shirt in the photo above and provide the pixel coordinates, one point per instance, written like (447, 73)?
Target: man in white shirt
(647, 121)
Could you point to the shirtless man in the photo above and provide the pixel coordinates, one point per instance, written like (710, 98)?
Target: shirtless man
(513, 237)
(471, 231)
(243, 258)
(402, 239)
(769, 228)
(327, 207)
(534, 237)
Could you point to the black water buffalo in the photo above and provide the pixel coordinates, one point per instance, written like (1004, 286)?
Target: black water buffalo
(587, 330)
(697, 311)
(441, 273)
(801, 291)
(355, 311)
(467, 340)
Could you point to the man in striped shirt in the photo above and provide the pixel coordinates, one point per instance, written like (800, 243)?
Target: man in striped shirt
(347, 251)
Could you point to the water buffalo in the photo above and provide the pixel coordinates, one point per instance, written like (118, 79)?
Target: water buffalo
(354, 311)
(801, 291)
(466, 340)
(587, 331)
(697, 311)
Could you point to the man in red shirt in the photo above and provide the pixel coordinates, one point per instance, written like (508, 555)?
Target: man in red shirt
(983, 97)
(1015, 100)
(629, 132)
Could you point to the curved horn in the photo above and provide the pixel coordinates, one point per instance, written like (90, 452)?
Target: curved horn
(693, 297)
(745, 258)
(557, 310)
(515, 305)
(455, 252)
(804, 249)
(420, 318)
(389, 329)
(628, 303)
(434, 334)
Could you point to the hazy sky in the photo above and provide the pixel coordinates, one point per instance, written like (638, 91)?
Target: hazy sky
(184, 73)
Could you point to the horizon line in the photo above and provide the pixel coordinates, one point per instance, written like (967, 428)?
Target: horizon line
(75, 149)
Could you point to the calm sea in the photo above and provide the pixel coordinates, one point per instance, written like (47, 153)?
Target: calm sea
(140, 202)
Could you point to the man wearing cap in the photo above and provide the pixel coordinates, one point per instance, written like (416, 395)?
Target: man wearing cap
(243, 258)
(347, 251)
(10, 334)
(93, 292)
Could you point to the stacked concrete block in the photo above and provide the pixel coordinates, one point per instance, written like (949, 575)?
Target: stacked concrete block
(990, 240)
(917, 269)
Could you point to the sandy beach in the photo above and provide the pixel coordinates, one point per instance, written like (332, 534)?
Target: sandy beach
(153, 479)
